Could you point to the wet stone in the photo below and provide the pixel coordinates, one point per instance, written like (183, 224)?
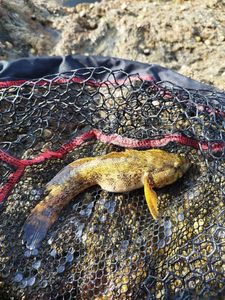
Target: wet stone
(53, 253)
(69, 257)
(33, 192)
(23, 284)
(44, 284)
(79, 231)
(110, 206)
(18, 277)
(75, 206)
(161, 243)
(168, 232)
(31, 281)
(61, 269)
(102, 219)
(167, 224)
(27, 253)
(87, 211)
(180, 217)
(34, 252)
(102, 201)
(50, 241)
(124, 244)
(36, 265)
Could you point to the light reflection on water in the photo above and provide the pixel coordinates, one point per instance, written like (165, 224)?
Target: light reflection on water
(71, 3)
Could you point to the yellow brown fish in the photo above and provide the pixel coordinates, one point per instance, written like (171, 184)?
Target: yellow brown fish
(116, 172)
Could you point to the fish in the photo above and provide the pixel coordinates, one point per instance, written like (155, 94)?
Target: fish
(116, 172)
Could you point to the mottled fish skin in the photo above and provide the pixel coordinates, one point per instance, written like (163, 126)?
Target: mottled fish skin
(114, 172)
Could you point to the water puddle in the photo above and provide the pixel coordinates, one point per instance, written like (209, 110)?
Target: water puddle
(72, 3)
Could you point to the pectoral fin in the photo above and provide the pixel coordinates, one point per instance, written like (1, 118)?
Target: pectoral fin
(150, 197)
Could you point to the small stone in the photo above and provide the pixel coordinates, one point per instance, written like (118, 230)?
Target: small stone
(180, 217)
(82, 14)
(208, 42)
(47, 133)
(44, 283)
(36, 265)
(18, 277)
(221, 38)
(32, 51)
(168, 232)
(146, 51)
(2, 46)
(50, 241)
(53, 253)
(9, 45)
(167, 224)
(31, 281)
(69, 257)
(27, 253)
(34, 252)
(100, 12)
(102, 219)
(23, 284)
(61, 269)
(161, 243)
(124, 288)
(92, 25)
(198, 38)
(124, 244)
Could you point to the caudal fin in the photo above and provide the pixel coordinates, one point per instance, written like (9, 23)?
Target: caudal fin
(37, 225)
(61, 190)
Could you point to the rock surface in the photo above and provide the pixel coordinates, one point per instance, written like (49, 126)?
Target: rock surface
(186, 36)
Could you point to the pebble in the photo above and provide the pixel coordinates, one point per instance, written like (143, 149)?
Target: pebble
(180, 217)
(82, 14)
(53, 253)
(146, 51)
(221, 38)
(32, 51)
(124, 244)
(36, 265)
(44, 283)
(23, 284)
(198, 38)
(18, 277)
(92, 24)
(31, 281)
(208, 42)
(61, 269)
(9, 45)
(69, 257)
(47, 133)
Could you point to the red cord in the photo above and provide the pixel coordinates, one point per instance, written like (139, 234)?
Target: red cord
(114, 139)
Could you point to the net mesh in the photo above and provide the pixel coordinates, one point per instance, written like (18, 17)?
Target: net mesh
(106, 245)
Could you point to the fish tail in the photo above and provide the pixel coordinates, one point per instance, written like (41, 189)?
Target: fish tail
(42, 217)
(61, 190)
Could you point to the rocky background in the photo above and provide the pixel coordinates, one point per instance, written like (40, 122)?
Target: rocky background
(186, 36)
